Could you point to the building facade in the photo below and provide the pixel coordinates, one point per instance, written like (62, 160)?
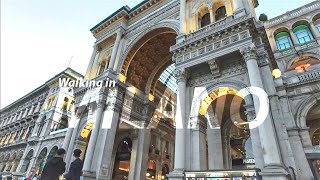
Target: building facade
(177, 110)
(33, 127)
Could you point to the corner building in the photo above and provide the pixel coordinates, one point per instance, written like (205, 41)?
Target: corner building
(176, 113)
(33, 127)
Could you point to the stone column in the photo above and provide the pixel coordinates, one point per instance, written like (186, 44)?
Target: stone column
(115, 50)
(93, 139)
(6, 166)
(198, 138)
(183, 23)
(254, 135)
(13, 119)
(273, 168)
(2, 165)
(107, 134)
(293, 38)
(314, 30)
(31, 110)
(72, 124)
(73, 140)
(278, 117)
(212, 19)
(20, 115)
(25, 113)
(37, 125)
(306, 140)
(14, 166)
(94, 53)
(134, 152)
(226, 151)
(141, 160)
(302, 171)
(180, 141)
(215, 154)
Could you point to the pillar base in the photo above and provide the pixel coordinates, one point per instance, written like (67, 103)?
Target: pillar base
(88, 175)
(176, 174)
(274, 172)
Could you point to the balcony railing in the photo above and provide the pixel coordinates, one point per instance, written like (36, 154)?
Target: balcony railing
(312, 74)
(211, 29)
(299, 47)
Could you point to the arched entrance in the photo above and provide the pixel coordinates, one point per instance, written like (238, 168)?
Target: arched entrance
(12, 162)
(41, 161)
(148, 58)
(313, 123)
(122, 160)
(6, 161)
(152, 170)
(148, 69)
(52, 152)
(26, 162)
(83, 139)
(2, 164)
(165, 170)
(227, 139)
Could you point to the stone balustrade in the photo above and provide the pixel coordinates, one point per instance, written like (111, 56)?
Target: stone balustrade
(293, 50)
(293, 14)
(210, 30)
(294, 78)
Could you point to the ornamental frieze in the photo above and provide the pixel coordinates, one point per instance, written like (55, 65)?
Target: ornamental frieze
(216, 45)
(165, 13)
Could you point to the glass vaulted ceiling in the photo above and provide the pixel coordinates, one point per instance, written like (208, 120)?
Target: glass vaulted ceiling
(168, 79)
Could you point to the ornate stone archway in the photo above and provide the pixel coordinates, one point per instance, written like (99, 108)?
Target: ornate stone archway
(148, 57)
(304, 108)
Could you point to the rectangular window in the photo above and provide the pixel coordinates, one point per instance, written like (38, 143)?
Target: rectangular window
(303, 36)
(284, 43)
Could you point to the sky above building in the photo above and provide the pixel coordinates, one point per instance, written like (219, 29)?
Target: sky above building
(39, 37)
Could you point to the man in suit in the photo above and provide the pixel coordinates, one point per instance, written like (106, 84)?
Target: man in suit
(75, 170)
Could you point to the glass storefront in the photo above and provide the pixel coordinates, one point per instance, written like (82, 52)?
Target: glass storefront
(247, 174)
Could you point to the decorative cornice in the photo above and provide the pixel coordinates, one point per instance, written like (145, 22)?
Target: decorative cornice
(181, 75)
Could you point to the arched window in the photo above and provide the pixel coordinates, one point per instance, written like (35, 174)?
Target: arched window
(302, 63)
(65, 103)
(63, 123)
(205, 20)
(221, 13)
(102, 67)
(122, 160)
(283, 40)
(151, 171)
(318, 27)
(316, 22)
(303, 34)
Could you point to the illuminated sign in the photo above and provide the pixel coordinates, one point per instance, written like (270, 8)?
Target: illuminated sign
(249, 161)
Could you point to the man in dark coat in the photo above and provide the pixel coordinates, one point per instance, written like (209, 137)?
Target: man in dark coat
(55, 167)
(75, 170)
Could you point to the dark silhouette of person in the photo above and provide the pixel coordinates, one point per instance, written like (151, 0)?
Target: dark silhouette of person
(55, 167)
(75, 170)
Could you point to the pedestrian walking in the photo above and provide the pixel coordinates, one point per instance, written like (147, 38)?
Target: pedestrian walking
(55, 167)
(75, 170)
